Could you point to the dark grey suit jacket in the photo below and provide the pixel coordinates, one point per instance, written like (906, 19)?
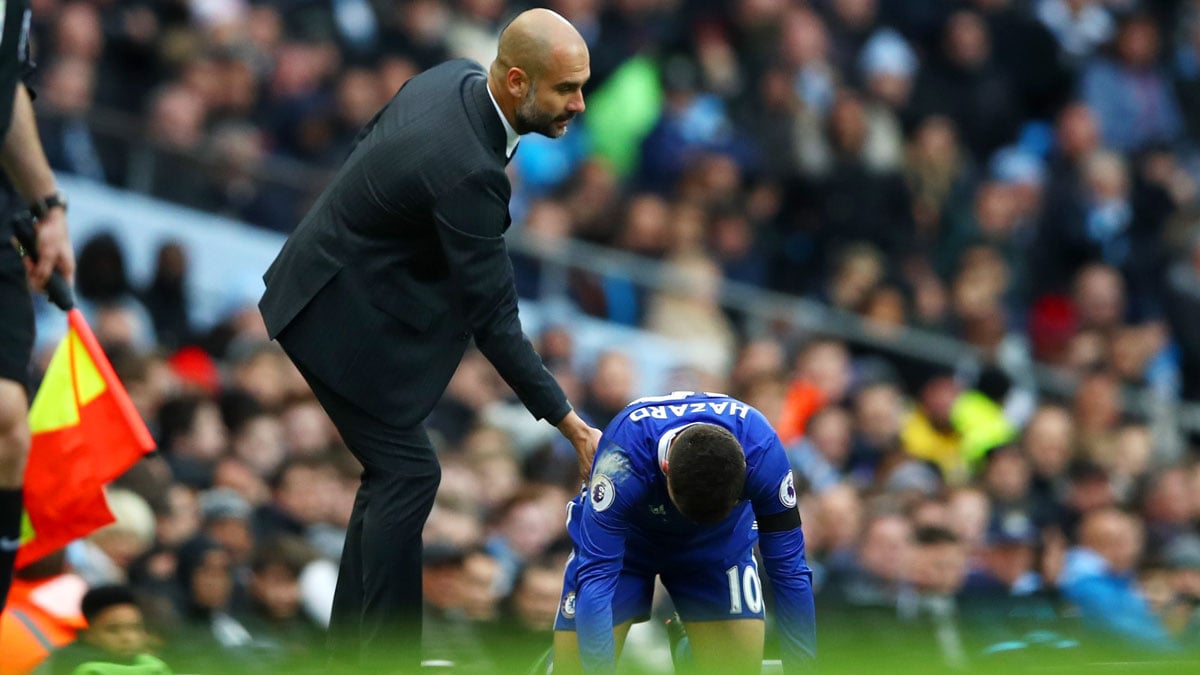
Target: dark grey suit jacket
(402, 259)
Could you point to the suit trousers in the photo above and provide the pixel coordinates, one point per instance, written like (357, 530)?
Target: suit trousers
(376, 620)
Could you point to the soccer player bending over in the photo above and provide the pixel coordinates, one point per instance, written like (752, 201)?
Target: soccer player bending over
(682, 487)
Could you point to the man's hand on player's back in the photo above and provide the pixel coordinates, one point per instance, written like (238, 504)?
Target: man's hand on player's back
(585, 439)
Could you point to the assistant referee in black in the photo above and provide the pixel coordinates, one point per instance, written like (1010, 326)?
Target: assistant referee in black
(28, 178)
(399, 264)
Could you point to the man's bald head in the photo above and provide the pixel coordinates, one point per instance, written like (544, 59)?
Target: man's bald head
(530, 41)
(538, 75)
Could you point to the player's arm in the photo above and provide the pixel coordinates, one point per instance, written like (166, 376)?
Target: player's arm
(781, 543)
(25, 164)
(613, 491)
(471, 219)
(791, 581)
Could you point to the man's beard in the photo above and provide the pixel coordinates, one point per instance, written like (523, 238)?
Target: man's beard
(530, 118)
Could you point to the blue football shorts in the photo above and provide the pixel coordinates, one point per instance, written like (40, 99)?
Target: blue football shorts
(704, 584)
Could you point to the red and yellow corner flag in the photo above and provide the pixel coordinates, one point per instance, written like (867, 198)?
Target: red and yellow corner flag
(86, 433)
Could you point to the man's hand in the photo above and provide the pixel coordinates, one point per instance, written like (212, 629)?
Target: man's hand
(54, 250)
(585, 439)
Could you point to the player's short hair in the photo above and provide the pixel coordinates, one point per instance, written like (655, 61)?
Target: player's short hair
(706, 473)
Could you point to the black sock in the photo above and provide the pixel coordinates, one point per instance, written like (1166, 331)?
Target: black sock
(10, 536)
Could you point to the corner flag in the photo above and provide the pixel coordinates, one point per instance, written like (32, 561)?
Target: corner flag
(86, 433)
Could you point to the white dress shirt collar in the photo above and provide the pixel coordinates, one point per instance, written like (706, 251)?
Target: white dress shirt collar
(510, 135)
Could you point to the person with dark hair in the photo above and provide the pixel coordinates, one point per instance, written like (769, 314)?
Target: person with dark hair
(104, 289)
(114, 641)
(938, 571)
(192, 437)
(709, 475)
(209, 638)
(527, 614)
(101, 276)
(459, 586)
(275, 615)
(683, 487)
(166, 298)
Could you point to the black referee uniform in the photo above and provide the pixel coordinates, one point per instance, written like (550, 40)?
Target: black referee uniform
(16, 303)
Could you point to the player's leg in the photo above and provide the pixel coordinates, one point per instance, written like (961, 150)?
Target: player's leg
(14, 449)
(378, 606)
(14, 433)
(720, 601)
(566, 648)
(400, 502)
(631, 603)
(734, 647)
(16, 346)
(345, 621)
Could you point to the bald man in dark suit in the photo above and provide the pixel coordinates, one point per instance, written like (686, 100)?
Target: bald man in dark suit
(400, 262)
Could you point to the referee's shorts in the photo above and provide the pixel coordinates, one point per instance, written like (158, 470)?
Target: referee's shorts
(16, 314)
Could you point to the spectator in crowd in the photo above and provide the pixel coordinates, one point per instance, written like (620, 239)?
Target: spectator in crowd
(237, 154)
(965, 83)
(878, 419)
(105, 556)
(166, 298)
(299, 493)
(929, 433)
(207, 636)
(525, 527)
(115, 636)
(1132, 96)
(103, 283)
(1004, 600)
(274, 613)
(879, 569)
(227, 522)
(535, 597)
(939, 569)
(1097, 578)
(1182, 561)
(1006, 478)
(612, 387)
(67, 137)
(192, 436)
(1080, 27)
(449, 576)
(820, 457)
(692, 317)
(170, 169)
(42, 613)
(1165, 508)
(256, 438)
(822, 377)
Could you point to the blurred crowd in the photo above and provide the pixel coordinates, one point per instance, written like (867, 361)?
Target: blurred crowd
(955, 529)
(1017, 174)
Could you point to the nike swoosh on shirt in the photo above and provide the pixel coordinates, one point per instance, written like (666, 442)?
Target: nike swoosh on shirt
(9, 544)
